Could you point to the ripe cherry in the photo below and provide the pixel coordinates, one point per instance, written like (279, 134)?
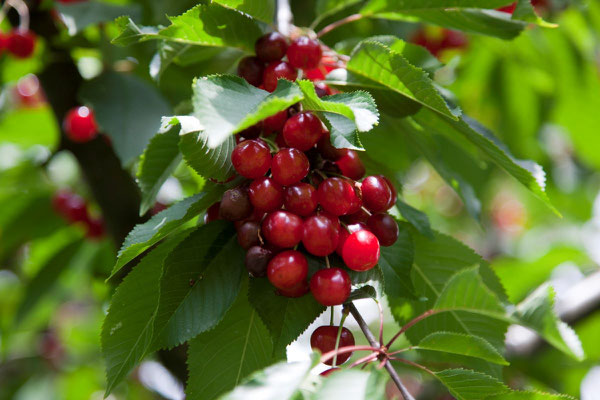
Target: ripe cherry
(350, 164)
(324, 338)
(212, 213)
(257, 259)
(376, 193)
(21, 43)
(252, 132)
(271, 47)
(235, 204)
(265, 194)
(327, 150)
(359, 216)
(302, 131)
(80, 125)
(287, 269)
(251, 69)
(346, 232)
(304, 53)
(320, 236)
(251, 159)
(247, 234)
(75, 209)
(336, 196)
(393, 189)
(95, 228)
(322, 89)
(297, 291)
(330, 286)
(334, 220)
(282, 228)
(275, 123)
(360, 251)
(385, 228)
(278, 70)
(301, 199)
(289, 166)
(60, 199)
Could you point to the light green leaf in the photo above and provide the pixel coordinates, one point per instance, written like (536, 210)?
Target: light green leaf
(79, 15)
(470, 385)
(130, 32)
(397, 5)
(530, 396)
(263, 10)
(325, 8)
(396, 262)
(351, 384)
(458, 343)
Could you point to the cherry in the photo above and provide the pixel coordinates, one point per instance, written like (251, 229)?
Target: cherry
(303, 131)
(212, 213)
(251, 69)
(271, 47)
(60, 199)
(323, 339)
(393, 189)
(297, 291)
(278, 70)
(304, 53)
(80, 125)
(282, 228)
(345, 234)
(265, 194)
(252, 132)
(336, 196)
(454, 40)
(350, 164)
(334, 220)
(327, 150)
(251, 158)
(275, 123)
(509, 8)
(301, 199)
(361, 251)
(376, 193)
(329, 371)
(287, 269)
(95, 228)
(235, 204)
(385, 228)
(21, 43)
(359, 216)
(75, 209)
(280, 142)
(357, 201)
(257, 260)
(247, 234)
(289, 166)
(320, 236)
(330, 286)
(322, 89)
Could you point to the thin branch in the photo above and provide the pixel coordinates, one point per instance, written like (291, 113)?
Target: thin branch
(347, 349)
(337, 24)
(409, 324)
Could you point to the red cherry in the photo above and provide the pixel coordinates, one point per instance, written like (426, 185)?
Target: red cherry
(95, 228)
(75, 209)
(334, 220)
(280, 142)
(278, 70)
(251, 159)
(322, 89)
(336, 196)
(432, 44)
(320, 236)
(265, 194)
(454, 40)
(212, 213)
(252, 132)
(385, 228)
(329, 371)
(282, 228)
(376, 194)
(271, 47)
(247, 234)
(508, 9)
(251, 69)
(324, 338)
(350, 164)
(60, 200)
(361, 251)
(330, 286)
(302, 131)
(394, 197)
(304, 53)
(21, 43)
(327, 150)
(80, 124)
(257, 260)
(289, 166)
(301, 199)
(297, 291)
(235, 204)
(287, 269)
(346, 232)
(275, 123)
(359, 216)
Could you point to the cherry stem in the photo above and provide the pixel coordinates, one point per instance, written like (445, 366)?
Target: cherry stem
(401, 351)
(380, 321)
(339, 335)
(413, 364)
(331, 316)
(327, 262)
(347, 349)
(366, 360)
(337, 24)
(409, 324)
(367, 211)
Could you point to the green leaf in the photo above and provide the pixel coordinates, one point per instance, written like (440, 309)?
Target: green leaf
(79, 15)
(351, 384)
(263, 10)
(470, 385)
(325, 8)
(516, 395)
(525, 12)
(159, 160)
(201, 280)
(286, 318)
(219, 359)
(209, 162)
(364, 292)
(396, 262)
(227, 104)
(128, 327)
(397, 5)
(130, 32)
(416, 218)
(458, 343)
(127, 109)
(144, 235)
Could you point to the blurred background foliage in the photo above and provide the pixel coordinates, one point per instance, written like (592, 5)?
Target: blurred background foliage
(540, 93)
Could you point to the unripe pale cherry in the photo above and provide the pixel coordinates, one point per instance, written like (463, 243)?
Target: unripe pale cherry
(282, 228)
(302, 131)
(330, 286)
(360, 251)
(287, 269)
(289, 166)
(251, 159)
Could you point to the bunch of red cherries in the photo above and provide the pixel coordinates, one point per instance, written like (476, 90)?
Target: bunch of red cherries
(73, 208)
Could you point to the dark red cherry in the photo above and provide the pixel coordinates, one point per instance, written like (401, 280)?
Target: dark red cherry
(322, 89)
(247, 234)
(385, 228)
(271, 47)
(304, 53)
(76, 209)
(251, 69)
(278, 70)
(330, 286)
(265, 194)
(80, 125)
(360, 251)
(359, 216)
(212, 213)
(329, 371)
(235, 204)
(275, 123)
(289, 166)
(95, 228)
(350, 164)
(376, 194)
(287, 269)
(297, 291)
(251, 158)
(301, 199)
(253, 132)
(257, 260)
(302, 131)
(320, 235)
(336, 196)
(324, 338)
(21, 43)
(327, 150)
(394, 197)
(282, 228)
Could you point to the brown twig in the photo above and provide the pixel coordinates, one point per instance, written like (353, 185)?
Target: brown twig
(337, 24)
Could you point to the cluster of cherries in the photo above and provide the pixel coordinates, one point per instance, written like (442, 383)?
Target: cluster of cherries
(73, 208)
(80, 124)
(18, 42)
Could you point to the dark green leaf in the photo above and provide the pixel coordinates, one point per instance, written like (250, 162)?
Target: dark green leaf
(397, 5)
(470, 385)
(458, 343)
(396, 262)
(417, 218)
(364, 292)
(79, 15)
(263, 10)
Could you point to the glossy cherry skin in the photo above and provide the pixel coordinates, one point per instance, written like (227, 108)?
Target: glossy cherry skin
(360, 251)
(251, 159)
(322, 89)
(251, 69)
(350, 164)
(247, 234)
(275, 123)
(289, 166)
(257, 260)
(327, 150)
(376, 194)
(301, 199)
(323, 339)
(297, 291)
(346, 232)
(336, 196)
(302, 131)
(265, 194)
(271, 47)
(21, 43)
(320, 236)
(359, 216)
(282, 228)
(394, 197)
(235, 204)
(80, 125)
(287, 269)
(330, 286)
(212, 213)
(304, 53)
(384, 227)
(278, 70)
(251, 133)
